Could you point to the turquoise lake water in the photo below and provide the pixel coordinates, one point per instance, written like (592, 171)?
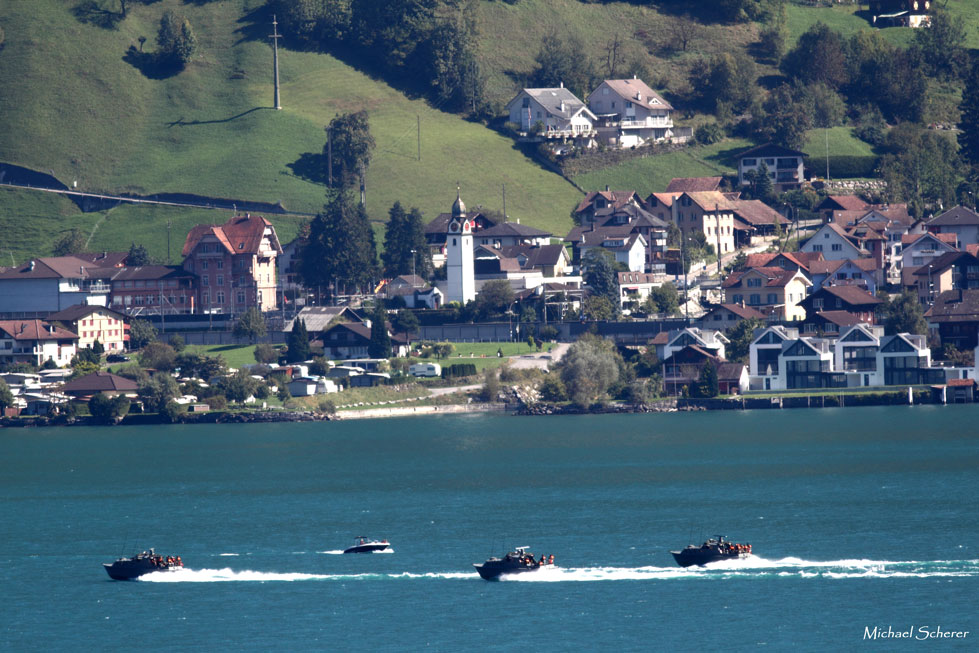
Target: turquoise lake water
(858, 518)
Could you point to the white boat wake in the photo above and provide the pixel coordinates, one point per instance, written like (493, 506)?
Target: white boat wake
(752, 566)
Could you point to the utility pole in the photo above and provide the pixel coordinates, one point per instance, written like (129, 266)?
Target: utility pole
(363, 186)
(168, 240)
(329, 155)
(418, 118)
(275, 60)
(504, 204)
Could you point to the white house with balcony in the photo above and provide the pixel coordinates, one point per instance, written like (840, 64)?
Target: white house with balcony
(36, 342)
(862, 356)
(786, 167)
(555, 112)
(630, 113)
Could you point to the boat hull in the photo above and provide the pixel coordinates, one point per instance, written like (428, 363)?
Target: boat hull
(494, 569)
(691, 557)
(369, 547)
(133, 569)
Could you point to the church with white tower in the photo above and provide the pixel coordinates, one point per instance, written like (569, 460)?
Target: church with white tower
(460, 275)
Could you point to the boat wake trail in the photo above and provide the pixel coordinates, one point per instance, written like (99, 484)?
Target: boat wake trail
(755, 567)
(229, 575)
(751, 567)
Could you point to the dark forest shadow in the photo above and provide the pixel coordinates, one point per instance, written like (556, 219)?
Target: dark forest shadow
(92, 13)
(150, 65)
(310, 166)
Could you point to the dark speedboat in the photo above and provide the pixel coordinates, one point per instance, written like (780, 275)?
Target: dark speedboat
(367, 545)
(140, 564)
(516, 562)
(712, 550)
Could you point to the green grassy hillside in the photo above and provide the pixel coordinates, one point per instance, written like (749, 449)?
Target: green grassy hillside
(75, 103)
(73, 106)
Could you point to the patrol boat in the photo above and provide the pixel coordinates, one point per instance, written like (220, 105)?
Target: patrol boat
(140, 564)
(712, 550)
(517, 561)
(367, 545)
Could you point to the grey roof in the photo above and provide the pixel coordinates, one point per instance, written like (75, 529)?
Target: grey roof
(317, 318)
(958, 216)
(551, 99)
(514, 230)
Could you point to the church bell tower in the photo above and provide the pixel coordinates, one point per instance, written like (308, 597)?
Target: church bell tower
(459, 255)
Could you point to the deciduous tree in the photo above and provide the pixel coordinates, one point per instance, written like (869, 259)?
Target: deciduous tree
(251, 325)
(589, 368)
(351, 145)
(902, 314)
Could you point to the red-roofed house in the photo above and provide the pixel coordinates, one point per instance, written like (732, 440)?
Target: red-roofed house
(861, 272)
(773, 291)
(236, 264)
(785, 260)
(693, 184)
(709, 212)
(35, 342)
(833, 242)
(93, 323)
(84, 387)
(843, 298)
(725, 316)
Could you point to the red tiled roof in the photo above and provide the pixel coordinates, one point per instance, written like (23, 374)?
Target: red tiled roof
(757, 213)
(239, 235)
(963, 383)
(852, 295)
(693, 184)
(99, 382)
(840, 318)
(849, 202)
(35, 330)
(745, 312)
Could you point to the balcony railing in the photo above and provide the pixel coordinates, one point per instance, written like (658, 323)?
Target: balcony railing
(649, 122)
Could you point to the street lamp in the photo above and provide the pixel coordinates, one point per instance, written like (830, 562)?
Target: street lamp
(412, 268)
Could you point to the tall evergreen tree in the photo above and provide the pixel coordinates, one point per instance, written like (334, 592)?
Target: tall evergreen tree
(341, 253)
(137, 256)
(969, 122)
(380, 343)
(298, 343)
(175, 39)
(405, 232)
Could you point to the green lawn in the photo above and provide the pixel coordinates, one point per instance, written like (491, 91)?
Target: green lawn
(841, 142)
(234, 355)
(653, 173)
